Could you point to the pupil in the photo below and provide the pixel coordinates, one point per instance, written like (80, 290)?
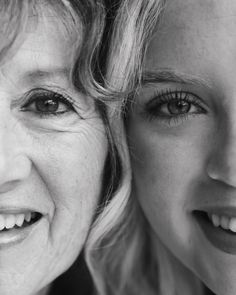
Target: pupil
(180, 107)
(46, 105)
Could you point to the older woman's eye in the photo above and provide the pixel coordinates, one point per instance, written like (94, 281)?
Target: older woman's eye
(174, 105)
(47, 103)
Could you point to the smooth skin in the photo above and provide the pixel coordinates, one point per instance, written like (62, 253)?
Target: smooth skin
(50, 161)
(184, 158)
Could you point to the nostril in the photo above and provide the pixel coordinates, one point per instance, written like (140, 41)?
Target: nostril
(224, 174)
(8, 186)
(212, 175)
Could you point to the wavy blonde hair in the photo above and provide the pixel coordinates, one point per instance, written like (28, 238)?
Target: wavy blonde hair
(118, 251)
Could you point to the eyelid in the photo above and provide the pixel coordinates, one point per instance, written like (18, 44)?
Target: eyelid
(29, 96)
(24, 97)
(166, 95)
(161, 98)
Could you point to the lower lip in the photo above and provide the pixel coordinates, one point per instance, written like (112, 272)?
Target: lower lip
(221, 239)
(15, 236)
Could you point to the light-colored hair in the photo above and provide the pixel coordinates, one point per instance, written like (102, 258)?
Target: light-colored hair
(82, 21)
(119, 252)
(83, 24)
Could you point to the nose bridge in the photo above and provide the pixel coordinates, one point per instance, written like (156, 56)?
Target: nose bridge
(8, 136)
(222, 160)
(14, 164)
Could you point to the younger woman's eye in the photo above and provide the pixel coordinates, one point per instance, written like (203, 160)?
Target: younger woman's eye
(47, 103)
(174, 105)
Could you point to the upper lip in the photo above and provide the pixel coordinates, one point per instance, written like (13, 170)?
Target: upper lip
(17, 210)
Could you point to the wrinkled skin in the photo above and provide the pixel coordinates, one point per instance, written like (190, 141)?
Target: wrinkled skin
(50, 162)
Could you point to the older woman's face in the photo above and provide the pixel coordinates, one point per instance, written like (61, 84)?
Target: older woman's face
(182, 134)
(52, 153)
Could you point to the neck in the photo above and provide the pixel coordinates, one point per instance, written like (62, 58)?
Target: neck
(175, 277)
(185, 281)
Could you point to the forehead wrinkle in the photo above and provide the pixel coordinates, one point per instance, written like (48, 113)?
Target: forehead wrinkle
(173, 76)
(45, 74)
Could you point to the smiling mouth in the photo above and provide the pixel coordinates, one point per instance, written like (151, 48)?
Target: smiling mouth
(9, 222)
(222, 221)
(219, 230)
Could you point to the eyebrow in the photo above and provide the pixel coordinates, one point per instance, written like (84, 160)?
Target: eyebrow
(45, 74)
(172, 76)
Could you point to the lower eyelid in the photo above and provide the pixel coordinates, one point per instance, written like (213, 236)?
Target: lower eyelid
(175, 121)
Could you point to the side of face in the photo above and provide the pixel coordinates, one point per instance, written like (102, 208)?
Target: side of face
(52, 152)
(182, 137)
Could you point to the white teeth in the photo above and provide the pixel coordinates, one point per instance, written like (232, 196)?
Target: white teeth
(8, 221)
(20, 219)
(215, 220)
(28, 217)
(225, 222)
(2, 222)
(232, 224)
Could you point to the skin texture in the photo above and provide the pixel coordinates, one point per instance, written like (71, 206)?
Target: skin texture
(50, 164)
(184, 163)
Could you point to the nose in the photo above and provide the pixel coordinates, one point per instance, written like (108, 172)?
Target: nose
(221, 164)
(15, 166)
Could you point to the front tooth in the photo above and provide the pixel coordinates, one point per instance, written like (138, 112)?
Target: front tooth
(2, 222)
(224, 222)
(20, 219)
(232, 224)
(215, 220)
(28, 217)
(10, 221)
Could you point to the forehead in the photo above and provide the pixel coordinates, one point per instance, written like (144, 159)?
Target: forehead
(46, 48)
(48, 40)
(191, 29)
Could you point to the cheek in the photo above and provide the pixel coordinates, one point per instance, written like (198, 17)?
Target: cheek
(71, 169)
(162, 179)
(167, 167)
(73, 177)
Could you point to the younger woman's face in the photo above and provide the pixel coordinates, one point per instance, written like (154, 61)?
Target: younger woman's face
(182, 136)
(52, 152)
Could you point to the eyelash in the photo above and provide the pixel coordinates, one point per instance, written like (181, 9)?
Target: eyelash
(44, 95)
(160, 99)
